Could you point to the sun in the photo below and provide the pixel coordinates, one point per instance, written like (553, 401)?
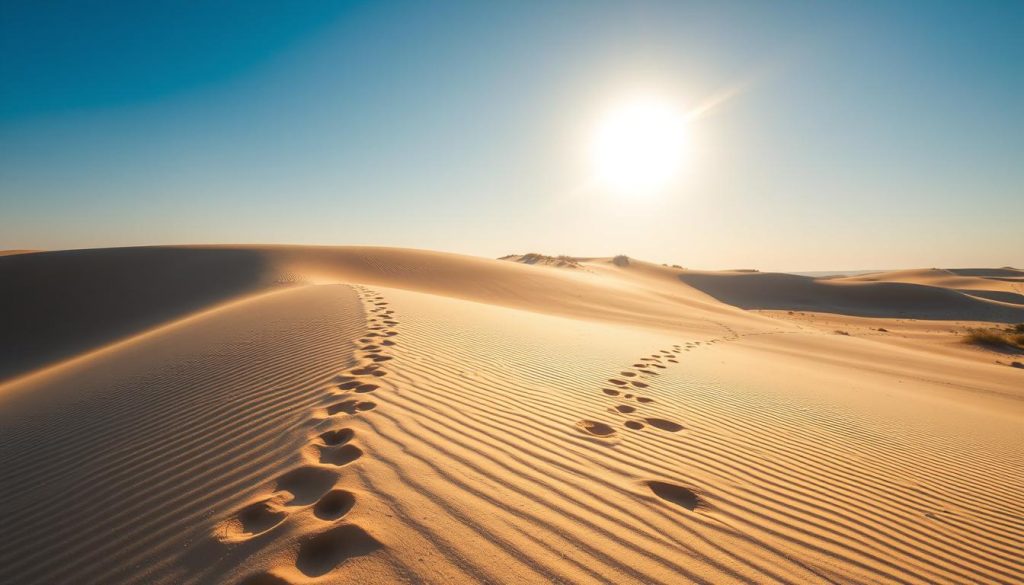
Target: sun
(639, 146)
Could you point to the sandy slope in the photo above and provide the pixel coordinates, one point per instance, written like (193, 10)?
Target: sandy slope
(321, 415)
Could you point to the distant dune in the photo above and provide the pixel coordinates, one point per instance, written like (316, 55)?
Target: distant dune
(908, 294)
(290, 414)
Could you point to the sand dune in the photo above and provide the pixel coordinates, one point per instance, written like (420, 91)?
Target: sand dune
(59, 304)
(371, 415)
(967, 279)
(902, 295)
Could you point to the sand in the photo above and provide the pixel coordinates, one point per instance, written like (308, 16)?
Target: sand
(265, 415)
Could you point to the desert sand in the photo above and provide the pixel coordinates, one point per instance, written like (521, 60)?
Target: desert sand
(275, 414)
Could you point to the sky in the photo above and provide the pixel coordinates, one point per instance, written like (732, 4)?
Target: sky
(832, 135)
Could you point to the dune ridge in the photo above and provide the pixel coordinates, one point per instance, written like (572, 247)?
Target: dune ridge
(60, 304)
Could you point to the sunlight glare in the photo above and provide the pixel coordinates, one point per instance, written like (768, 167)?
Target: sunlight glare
(639, 147)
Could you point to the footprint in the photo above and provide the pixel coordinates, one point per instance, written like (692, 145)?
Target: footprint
(337, 437)
(617, 382)
(678, 495)
(665, 425)
(334, 505)
(381, 358)
(340, 456)
(639, 384)
(349, 385)
(644, 399)
(350, 407)
(252, 520)
(387, 342)
(363, 388)
(634, 424)
(610, 392)
(264, 579)
(346, 406)
(595, 428)
(321, 553)
(628, 374)
(625, 408)
(306, 484)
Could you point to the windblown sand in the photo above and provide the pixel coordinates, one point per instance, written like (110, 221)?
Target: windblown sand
(273, 415)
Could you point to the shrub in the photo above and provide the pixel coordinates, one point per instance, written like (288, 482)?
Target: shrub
(621, 260)
(536, 258)
(994, 339)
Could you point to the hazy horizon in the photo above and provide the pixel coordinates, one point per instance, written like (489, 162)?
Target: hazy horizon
(821, 137)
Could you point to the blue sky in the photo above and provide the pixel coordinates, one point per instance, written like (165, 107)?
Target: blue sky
(857, 135)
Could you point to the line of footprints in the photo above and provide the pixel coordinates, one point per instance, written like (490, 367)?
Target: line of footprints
(627, 402)
(312, 488)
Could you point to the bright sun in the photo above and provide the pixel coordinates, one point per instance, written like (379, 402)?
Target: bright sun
(639, 147)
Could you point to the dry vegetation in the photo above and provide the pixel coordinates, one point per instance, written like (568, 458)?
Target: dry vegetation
(1011, 338)
(561, 261)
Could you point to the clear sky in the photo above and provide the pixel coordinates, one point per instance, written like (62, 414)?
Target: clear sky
(840, 135)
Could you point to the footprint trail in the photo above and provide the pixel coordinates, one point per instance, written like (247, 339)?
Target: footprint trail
(622, 391)
(313, 487)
